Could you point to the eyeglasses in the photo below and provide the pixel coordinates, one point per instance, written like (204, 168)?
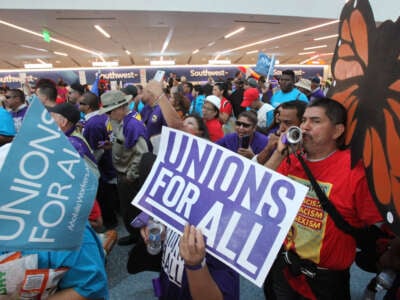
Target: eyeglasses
(245, 125)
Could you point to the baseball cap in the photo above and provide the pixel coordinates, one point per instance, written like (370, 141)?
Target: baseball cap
(250, 95)
(67, 110)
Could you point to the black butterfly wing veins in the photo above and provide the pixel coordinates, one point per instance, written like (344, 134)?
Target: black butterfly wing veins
(366, 72)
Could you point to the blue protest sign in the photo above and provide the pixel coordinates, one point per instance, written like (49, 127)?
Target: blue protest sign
(264, 65)
(243, 209)
(47, 189)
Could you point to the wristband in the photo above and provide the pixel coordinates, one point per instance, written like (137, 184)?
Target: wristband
(196, 267)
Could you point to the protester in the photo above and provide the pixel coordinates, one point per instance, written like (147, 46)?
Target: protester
(46, 91)
(196, 275)
(16, 104)
(75, 93)
(290, 114)
(287, 90)
(210, 115)
(128, 146)
(7, 130)
(220, 90)
(85, 277)
(180, 103)
(304, 86)
(67, 115)
(197, 104)
(98, 136)
(152, 117)
(245, 128)
(316, 91)
(265, 111)
(319, 254)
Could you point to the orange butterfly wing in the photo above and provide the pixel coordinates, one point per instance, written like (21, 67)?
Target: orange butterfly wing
(366, 72)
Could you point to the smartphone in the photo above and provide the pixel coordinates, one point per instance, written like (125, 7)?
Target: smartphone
(245, 141)
(159, 76)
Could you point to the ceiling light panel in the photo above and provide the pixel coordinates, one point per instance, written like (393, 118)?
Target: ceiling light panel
(102, 31)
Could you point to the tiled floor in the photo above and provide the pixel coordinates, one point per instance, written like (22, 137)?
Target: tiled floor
(124, 286)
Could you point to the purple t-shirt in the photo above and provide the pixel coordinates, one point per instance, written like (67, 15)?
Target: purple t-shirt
(95, 131)
(317, 94)
(18, 117)
(80, 145)
(174, 284)
(231, 142)
(154, 120)
(133, 129)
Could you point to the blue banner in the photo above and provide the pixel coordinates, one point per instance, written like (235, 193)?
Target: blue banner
(47, 190)
(137, 75)
(243, 209)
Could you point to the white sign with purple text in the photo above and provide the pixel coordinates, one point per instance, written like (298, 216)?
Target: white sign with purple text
(243, 209)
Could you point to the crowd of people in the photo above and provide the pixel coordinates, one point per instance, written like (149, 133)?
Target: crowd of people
(118, 129)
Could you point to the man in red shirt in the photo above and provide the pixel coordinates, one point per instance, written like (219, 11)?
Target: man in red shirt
(314, 238)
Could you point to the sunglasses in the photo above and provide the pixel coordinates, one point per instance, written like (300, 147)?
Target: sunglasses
(9, 97)
(83, 103)
(245, 125)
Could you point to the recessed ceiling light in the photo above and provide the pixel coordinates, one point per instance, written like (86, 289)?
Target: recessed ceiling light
(280, 36)
(52, 39)
(34, 48)
(60, 53)
(102, 31)
(326, 37)
(251, 52)
(305, 53)
(233, 33)
(315, 47)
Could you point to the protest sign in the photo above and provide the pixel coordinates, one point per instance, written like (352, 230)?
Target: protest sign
(243, 209)
(47, 188)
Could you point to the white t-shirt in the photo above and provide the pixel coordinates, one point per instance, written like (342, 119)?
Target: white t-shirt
(262, 115)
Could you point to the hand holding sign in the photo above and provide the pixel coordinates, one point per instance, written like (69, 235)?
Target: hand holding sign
(243, 209)
(192, 247)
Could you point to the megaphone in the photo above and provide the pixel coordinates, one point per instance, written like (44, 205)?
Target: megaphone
(292, 136)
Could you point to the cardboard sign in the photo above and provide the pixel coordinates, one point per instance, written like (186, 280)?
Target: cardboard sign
(243, 209)
(47, 190)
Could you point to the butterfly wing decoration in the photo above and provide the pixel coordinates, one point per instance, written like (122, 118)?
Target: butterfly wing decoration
(366, 71)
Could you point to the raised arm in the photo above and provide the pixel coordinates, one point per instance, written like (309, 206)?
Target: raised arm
(170, 115)
(193, 250)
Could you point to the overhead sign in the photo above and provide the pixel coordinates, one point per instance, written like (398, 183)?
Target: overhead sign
(47, 190)
(243, 209)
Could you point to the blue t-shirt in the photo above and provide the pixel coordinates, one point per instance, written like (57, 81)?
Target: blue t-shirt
(86, 274)
(6, 123)
(280, 97)
(197, 105)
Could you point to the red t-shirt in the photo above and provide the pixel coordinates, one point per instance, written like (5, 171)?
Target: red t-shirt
(96, 211)
(313, 234)
(226, 107)
(214, 129)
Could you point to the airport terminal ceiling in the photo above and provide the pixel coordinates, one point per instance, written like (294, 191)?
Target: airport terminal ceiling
(141, 34)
